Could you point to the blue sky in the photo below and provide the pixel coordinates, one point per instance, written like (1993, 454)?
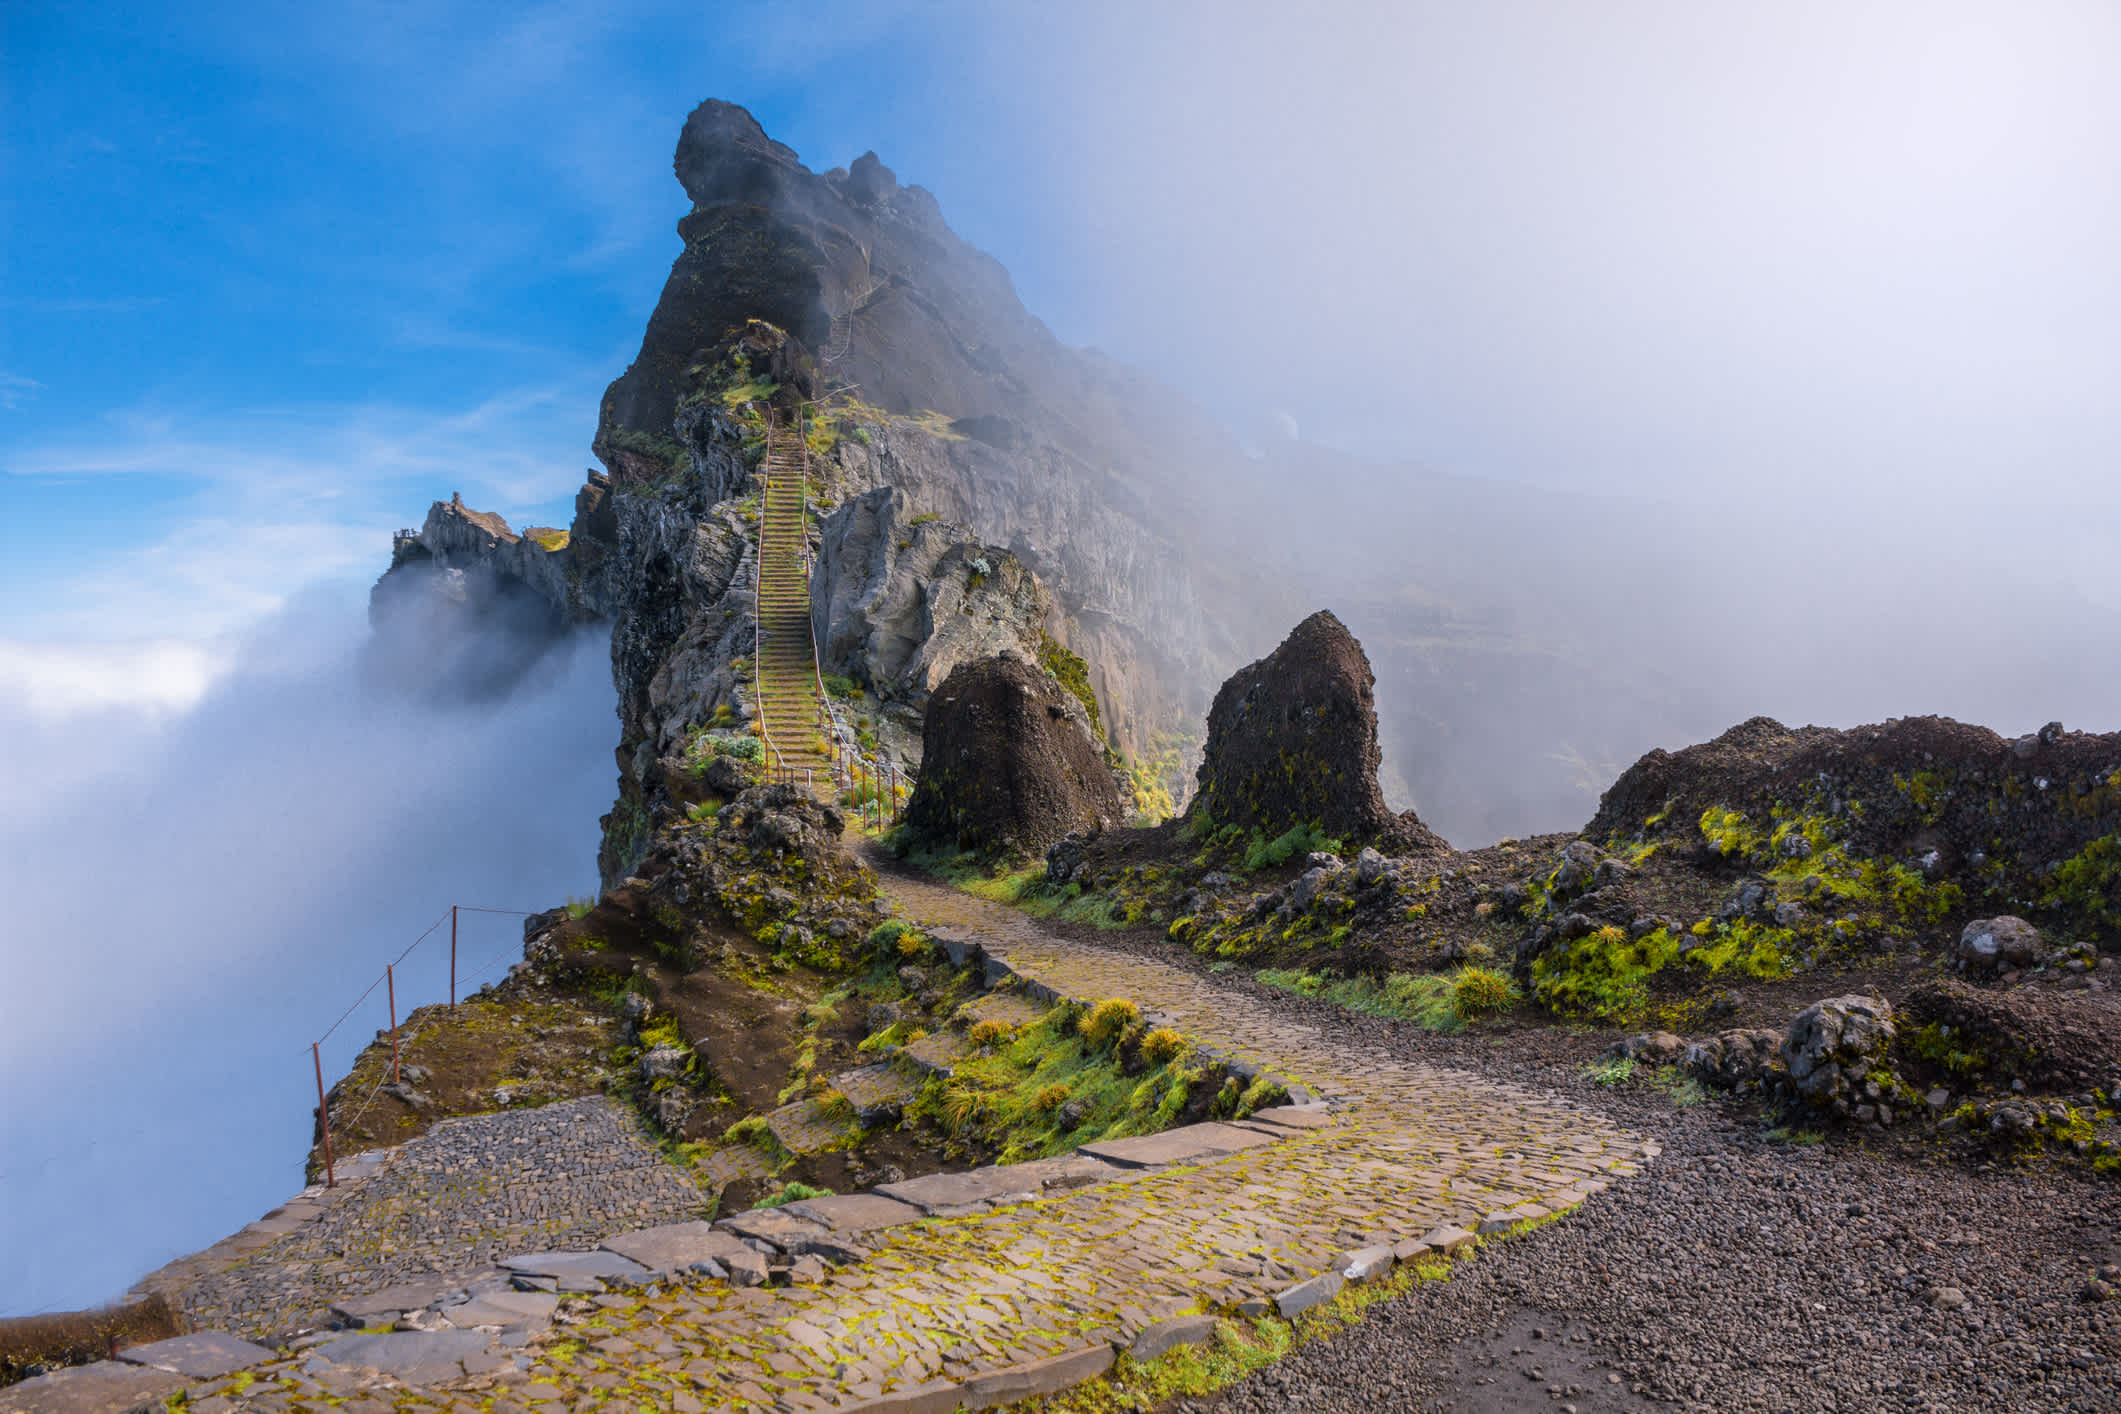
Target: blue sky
(1828, 289)
(272, 279)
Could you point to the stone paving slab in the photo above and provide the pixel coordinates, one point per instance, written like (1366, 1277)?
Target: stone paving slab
(855, 1212)
(939, 1053)
(393, 1301)
(729, 1164)
(1295, 1116)
(201, 1356)
(1003, 1008)
(416, 1357)
(877, 1092)
(776, 1226)
(106, 1387)
(506, 1309)
(1177, 1146)
(605, 1266)
(942, 1191)
(674, 1246)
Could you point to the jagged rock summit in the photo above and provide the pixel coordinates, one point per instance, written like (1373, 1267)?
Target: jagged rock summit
(1292, 740)
(1009, 763)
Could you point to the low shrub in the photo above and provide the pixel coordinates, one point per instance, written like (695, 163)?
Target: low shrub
(1161, 1045)
(1481, 991)
(1108, 1019)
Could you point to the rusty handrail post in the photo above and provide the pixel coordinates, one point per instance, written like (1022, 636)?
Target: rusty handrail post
(323, 1115)
(452, 959)
(390, 982)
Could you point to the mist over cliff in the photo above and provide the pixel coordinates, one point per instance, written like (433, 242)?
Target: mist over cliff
(197, 896)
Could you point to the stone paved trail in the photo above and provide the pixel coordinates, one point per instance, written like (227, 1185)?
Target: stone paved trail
(456, 1199)
(970, 1300)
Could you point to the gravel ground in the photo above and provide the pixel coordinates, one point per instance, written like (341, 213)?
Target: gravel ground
(1739, 1273)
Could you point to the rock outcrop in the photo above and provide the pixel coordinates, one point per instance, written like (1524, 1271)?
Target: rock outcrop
(1292, 740)
(1957, 812)
(1837, 1054)
(901, 599)
(1008, 763)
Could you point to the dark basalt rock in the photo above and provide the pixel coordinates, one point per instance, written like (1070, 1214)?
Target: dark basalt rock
(1999, 817)
(1292, 740)
(1008, 762)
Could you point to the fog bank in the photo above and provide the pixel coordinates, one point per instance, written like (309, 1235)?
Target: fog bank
(195, 898)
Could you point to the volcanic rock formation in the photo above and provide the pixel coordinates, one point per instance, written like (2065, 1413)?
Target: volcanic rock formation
(1292, 740)
(1009, 763)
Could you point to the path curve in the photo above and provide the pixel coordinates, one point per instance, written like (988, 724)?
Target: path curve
(963, 1307)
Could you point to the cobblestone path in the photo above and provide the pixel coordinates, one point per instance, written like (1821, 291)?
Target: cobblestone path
(971, 1300)
(457, 1199)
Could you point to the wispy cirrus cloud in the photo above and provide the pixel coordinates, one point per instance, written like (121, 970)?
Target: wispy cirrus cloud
(14, 388)
(271, 501)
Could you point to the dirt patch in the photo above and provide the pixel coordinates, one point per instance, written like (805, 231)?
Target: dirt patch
(500, 1049)
(1530, 1364)
(2052, 1042)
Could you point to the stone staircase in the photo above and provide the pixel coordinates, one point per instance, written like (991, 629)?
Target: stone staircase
(789, 701)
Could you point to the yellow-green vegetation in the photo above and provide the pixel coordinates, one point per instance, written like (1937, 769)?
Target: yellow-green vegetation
(1262, 853)
(1023, 886)
(1052, 1087)
(2088, 884)
(1241, 1347)
(1604, 975)
(703, 746)
(1071, 672)
(1435, 1001)
(1161, 1045)
(546, 537)
(1481, 991)
(1942, 1047)
(792, 1192)
(1928, 791)
(703, 810)
(1108, 1019)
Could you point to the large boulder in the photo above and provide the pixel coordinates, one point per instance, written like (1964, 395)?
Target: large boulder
(1987, 944)
(1836, 1052)
(1008, 762)
(1292, 740)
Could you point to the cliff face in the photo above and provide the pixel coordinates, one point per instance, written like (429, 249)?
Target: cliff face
(967, 404)
(981, 487)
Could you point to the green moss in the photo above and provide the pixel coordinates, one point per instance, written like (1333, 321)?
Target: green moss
(1603, 976)
(1014, 1099)
(2088, 884)
(1428, 999)
(1927, 791)
(1941, 1047)
(1728, 832)
(1307, 838)
(1072, 673)
(792, 1192)
(1480, 991)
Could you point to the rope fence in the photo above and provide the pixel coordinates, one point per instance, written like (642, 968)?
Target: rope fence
(399, 1043)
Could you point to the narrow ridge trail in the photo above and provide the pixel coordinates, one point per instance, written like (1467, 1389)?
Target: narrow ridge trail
(1025, 1293)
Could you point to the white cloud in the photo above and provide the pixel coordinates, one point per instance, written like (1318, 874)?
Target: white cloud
(56, 680)
(281, 500)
